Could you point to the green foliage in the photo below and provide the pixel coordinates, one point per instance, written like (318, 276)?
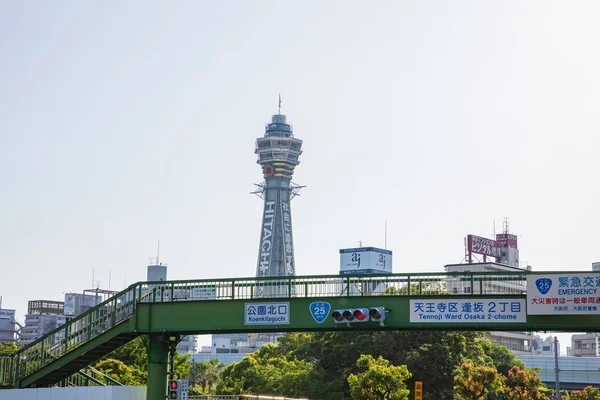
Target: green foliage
(205, 376)
(8, 347)
(134, 355)
(424, 288)
(116, 369)
(431, 357)
(266, 371)
(523, 384)
(588, 393)
(380, 380)
(502, 358)
(476, 382)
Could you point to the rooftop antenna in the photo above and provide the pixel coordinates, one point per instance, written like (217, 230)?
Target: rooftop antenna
(494, 234)
(360, 243)
(279, 108)
(93, 278)
(158, 253)
(385, 243)
(506, 230)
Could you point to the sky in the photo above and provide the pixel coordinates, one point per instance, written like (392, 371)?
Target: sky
(129, 122)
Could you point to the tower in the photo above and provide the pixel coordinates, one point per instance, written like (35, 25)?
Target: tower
(278, 154)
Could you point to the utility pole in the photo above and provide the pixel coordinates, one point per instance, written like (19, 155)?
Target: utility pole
(556, 370)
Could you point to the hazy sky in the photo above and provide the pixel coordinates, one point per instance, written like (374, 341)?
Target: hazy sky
(125, 122)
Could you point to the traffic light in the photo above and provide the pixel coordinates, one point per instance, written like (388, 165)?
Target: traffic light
(375, 314)
(174, 389)
(351, 315)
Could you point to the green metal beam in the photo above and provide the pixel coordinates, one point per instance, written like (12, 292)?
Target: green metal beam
(208, 317)
(158, 361)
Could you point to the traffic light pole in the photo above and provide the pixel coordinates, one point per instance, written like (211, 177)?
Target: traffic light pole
(158, 363)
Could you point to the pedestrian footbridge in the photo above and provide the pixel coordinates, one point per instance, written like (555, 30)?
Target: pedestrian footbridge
(164, 311)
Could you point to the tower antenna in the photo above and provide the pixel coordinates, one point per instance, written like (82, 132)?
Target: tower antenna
(279, 108)
(385, 243)
(506, 230)
(158, 253)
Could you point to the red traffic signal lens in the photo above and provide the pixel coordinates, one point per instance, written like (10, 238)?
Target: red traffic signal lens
(348, 315)
(173, 385)
(359, 315)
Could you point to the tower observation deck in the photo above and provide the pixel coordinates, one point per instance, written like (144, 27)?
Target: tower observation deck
(278, 154)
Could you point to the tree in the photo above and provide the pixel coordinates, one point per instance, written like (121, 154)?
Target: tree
(476, 382)
(8, 347)
(523, 384)
(266, 371)
(502, 358)
(116, 369)
(207, 374)
(588, 393)
(135, 356)
(380, 381)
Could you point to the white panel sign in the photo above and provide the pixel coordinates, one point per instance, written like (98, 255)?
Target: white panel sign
(267, 313)
(184, 390)
(69, 307)
(7, 314)
(475, 310)
(566, 294)
(365, 260)
(204, 293)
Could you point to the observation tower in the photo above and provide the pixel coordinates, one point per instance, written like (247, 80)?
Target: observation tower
(278, 154)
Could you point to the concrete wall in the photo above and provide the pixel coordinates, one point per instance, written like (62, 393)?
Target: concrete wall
(77, 393)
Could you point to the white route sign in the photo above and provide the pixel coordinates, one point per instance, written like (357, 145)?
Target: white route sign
(267, 313)
(475, 310)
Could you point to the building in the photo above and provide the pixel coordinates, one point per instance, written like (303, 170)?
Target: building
(157, 272)
(78, 303)
(278, 154)
(575, 373)
(584, 345)
(504, 249)
(518, 342)
(544, 346)
(188, 344)
(7, 325)
(42, 317)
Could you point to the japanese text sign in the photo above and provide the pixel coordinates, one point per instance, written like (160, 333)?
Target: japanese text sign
(267, 313)
(486, 247)
(563, 294)
(473, 310)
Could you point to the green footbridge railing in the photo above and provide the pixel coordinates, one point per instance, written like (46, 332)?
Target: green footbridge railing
(69, 349)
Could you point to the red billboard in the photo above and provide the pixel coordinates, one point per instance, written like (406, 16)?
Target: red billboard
(483, 246)
(507, 240)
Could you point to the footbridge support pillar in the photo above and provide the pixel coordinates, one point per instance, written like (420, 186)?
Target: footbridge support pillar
(158, 365)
